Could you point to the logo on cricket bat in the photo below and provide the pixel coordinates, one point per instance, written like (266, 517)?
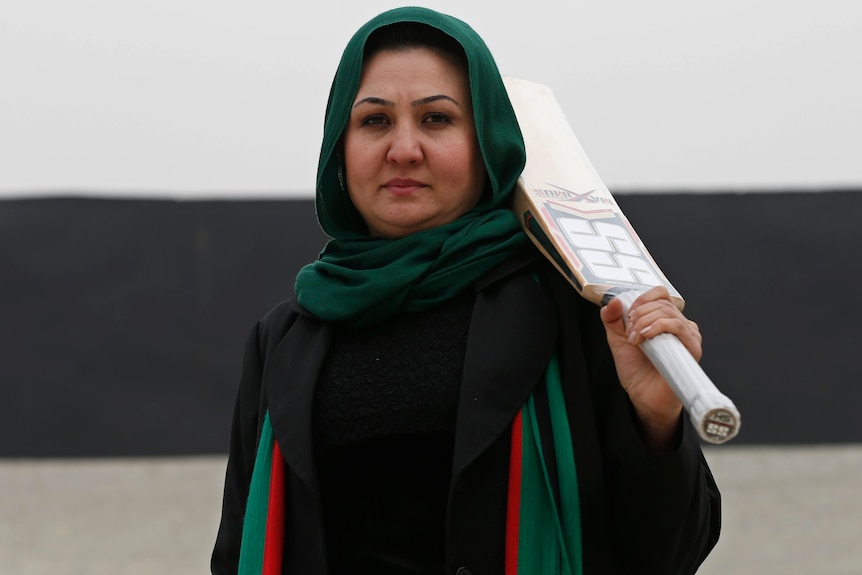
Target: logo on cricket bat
(606, 248)
(561, 194)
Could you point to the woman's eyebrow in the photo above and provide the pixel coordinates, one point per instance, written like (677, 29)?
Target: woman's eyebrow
(374, 100)
(420, 102)
(430, 99)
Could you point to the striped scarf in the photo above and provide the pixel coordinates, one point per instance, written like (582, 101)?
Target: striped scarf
(543, 524)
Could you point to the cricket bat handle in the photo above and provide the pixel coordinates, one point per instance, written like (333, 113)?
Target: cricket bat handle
(712, 413)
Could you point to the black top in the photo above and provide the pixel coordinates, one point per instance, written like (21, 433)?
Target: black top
(385, 410)
(515, 326)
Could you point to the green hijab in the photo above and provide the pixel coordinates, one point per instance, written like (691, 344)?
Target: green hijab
(362, 280)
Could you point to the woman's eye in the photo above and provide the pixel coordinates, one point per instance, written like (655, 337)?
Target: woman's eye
(436, 118)
(375, 120)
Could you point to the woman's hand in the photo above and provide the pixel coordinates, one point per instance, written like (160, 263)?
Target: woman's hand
(651, 314)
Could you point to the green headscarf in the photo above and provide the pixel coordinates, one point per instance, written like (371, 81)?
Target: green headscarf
(361, 280)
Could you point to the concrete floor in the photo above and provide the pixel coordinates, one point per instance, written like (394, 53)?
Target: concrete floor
(787, 511)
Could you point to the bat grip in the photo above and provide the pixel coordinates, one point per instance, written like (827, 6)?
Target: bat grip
(713, 414)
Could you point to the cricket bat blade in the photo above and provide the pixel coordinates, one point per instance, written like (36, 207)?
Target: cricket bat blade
(572, 218)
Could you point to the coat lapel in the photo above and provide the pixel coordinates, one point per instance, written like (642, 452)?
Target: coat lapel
(513, 332)
(289, 379)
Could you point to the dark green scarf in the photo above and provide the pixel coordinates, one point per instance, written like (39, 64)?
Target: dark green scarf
(366, 280)
(361, 280)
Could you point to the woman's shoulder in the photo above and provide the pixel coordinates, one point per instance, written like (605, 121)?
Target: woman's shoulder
(537, 269)
(277, 321)
(280, 312)
(556, 293)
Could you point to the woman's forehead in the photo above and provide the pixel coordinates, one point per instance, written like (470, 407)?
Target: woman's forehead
(420, 73)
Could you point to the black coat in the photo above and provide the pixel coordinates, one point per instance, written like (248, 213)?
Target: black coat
(640, 513)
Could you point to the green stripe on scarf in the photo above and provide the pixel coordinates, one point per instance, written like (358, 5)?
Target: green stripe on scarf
(251, 556)
(549, 535)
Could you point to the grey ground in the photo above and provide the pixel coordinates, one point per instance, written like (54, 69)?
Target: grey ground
(787, 511)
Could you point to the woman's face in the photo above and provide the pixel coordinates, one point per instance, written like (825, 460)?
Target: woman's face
(411, 155)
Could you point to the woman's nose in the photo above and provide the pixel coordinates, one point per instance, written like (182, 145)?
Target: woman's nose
(405, 147)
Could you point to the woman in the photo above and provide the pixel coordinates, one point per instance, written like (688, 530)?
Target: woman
(436, 399)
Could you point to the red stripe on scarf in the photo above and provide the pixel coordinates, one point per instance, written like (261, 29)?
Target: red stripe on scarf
(513, 504)
(273, 550)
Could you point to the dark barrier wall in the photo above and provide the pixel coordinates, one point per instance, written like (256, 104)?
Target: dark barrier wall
(123, 321)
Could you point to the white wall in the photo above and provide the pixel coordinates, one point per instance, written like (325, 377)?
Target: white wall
(196, 98)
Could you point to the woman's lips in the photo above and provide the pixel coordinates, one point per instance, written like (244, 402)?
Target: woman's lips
(402, 186)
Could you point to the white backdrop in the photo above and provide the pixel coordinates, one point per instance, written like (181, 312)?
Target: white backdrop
(210, 98)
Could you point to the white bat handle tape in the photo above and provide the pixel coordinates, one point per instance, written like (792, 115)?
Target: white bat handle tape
(712, 413)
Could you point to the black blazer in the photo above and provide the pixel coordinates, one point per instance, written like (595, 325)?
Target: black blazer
(640, 513)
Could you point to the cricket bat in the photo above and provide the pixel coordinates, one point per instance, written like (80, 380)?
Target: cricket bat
(572, 218)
